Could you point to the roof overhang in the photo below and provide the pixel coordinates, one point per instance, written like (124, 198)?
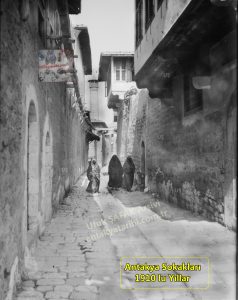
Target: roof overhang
(84, 41)
(105, 60)
(99, 124)
(199, 24)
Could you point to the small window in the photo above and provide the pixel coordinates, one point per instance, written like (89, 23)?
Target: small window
(93, 84)
(192, 97)
(120, 69)
(149, 12)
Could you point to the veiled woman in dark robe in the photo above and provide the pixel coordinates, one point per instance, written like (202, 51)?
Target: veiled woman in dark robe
(115, 172)
(93, 174)
(128, 173)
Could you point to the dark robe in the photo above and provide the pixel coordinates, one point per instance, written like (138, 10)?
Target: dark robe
(93, 174)
(128, 173)
(115, 172)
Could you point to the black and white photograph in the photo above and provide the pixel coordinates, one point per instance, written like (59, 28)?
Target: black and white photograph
(118, 150)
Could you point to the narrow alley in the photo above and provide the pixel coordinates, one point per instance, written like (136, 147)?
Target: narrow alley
(77, 259)
(118, 150)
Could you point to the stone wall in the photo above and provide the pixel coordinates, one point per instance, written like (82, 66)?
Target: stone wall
(43, 149)
(131, 129)
(185, 162)
(186, 157)
(11, 156)
(122, 126)
(191, 129)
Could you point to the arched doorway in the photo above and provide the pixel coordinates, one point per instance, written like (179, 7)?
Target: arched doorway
(32, 168)
(47, 174)
(142, 165)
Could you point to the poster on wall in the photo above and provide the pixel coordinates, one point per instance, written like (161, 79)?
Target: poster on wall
(55, 65)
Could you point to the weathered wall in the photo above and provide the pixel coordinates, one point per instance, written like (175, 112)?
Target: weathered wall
(184, 163)
(122, 125)
(188, 158)
(35, 116)
(190, 134)
(12, 173)
(106, 149)
(131, 129)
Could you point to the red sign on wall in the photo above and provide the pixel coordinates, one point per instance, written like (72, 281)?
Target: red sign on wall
(55, 65)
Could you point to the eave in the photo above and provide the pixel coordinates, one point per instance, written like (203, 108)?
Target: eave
(99, 124)
(84, 41)
(201, 24)
(105, 60)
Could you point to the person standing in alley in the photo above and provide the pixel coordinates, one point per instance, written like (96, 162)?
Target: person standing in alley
(115, 172)
(128, 173)
(93, 174)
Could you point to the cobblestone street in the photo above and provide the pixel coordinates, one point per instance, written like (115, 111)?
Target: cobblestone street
(65, 264)
(118, 150)
(76, 259)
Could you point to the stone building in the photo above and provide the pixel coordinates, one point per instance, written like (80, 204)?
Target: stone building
(182, 120)
(116, 70)
(44, 131)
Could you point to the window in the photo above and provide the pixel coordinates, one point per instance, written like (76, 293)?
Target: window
(149, 12)
(192, 96)
(139, 18)
(120, 68)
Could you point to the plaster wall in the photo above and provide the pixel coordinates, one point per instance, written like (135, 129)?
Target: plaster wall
(56, 138)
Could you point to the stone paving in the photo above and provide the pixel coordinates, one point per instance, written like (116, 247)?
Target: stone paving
(67, 266)
(76, 259)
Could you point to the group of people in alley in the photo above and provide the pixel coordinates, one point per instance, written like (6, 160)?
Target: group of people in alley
(119, 176)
